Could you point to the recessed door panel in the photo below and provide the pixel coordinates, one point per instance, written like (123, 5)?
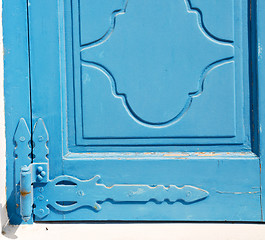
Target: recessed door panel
(164, 73)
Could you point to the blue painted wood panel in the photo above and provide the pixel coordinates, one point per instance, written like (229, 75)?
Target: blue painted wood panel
(148, 82)
(260, 74)
(16, 89)
(232, 195)
(133, 90)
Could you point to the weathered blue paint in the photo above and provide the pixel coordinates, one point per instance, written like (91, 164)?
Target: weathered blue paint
(22, 153)
(261, 88)
(137, 62)
(142, 102)
(72, 194)
(28, 173)
(66, 193)
(16, 88)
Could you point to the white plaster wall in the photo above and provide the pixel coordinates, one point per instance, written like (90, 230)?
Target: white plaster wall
(176, 231)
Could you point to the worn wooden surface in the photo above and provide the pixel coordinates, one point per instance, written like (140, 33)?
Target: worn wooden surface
(147, 126)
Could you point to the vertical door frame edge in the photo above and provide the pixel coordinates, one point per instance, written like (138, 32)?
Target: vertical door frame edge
(16, 87)
(261, 90)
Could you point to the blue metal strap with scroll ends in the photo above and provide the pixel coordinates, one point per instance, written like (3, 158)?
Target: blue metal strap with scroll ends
(67, 193)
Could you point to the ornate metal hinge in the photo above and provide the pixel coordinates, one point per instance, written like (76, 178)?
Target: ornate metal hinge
(66, 193)
(30, 169)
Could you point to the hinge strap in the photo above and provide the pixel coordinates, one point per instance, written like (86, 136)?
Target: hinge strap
(67, 193)
(26, 172)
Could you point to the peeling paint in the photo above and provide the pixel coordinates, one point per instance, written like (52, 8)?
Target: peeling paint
(260, 51)
(176, 154)
(138, 191)
(208, 154)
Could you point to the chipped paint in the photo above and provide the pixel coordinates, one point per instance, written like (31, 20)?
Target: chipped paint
(260, 51)
(176, 154)
(138, 191)
(208, 154)
(148, 153)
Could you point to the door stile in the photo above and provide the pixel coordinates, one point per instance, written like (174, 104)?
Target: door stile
(16, 87)
(261, 90)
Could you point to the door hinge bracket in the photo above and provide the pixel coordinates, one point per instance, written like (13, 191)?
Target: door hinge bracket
(30, 168)
(36, 193)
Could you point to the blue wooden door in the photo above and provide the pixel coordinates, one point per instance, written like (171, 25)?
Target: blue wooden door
(152, 100)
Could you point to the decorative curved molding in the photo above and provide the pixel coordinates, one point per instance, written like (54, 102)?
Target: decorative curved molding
(176, 118)
(91, 193)
(107, 35)
(121, 11)
(190, 95)
(203, 26)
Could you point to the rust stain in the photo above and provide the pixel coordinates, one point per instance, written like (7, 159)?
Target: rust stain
(17, 205)
(24, 193)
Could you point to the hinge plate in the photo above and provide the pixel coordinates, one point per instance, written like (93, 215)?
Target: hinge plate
(67, 193)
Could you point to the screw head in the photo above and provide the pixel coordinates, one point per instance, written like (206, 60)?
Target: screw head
(41, 211)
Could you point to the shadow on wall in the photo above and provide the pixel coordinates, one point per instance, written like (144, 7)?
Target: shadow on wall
(7, 230)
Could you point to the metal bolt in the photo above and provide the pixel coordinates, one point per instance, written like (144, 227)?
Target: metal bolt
(39, 177)
(43, 173)
(41, 211)
(40, 169)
